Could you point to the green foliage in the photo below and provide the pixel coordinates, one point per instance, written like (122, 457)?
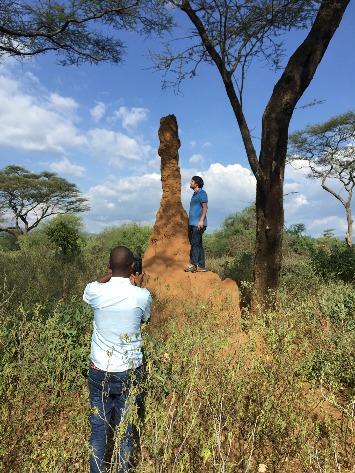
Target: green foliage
(216, 399)
(221, 393)
(65, 28)
(334, 259)
(298, 276)
(132, 235)
(328, 233)
(38, 273)
(65, 231)
(297, 229)
(240, 268)
(8, 242)
(329, 149)
(236, 236)
(32, 197)
(298, 243)
(334, 364)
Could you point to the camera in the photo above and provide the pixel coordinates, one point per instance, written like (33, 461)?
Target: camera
(137, 264)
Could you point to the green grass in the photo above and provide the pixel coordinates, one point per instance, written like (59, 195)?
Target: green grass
(221, 394)
(218, 398)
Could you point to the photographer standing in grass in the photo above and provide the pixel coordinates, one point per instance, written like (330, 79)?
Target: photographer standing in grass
(120, 306)
(197, 225)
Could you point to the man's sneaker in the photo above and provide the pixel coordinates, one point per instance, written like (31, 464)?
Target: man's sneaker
(190, 268)
(200, 270)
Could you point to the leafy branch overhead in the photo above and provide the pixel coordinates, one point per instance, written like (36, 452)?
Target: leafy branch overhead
(329, 149)
(233, 34)
(65, 28)
(27, 198)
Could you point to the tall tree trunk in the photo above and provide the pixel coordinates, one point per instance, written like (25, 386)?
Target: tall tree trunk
(295, 79)
(349, 234)
(270, 211)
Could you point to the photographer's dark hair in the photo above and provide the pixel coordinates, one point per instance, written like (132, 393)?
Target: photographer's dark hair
(198, 180)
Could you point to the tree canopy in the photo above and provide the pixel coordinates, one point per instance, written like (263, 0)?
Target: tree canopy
(27, 198)
(66, 28)
(329, 149)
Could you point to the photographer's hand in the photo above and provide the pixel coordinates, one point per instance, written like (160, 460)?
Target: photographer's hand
(105, 278)
(137, 279)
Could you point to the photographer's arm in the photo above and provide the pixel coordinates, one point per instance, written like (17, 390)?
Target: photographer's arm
(105, 278)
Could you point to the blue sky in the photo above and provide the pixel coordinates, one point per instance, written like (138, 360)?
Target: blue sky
(97, 126)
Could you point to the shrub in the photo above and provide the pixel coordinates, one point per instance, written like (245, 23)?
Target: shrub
(66, 233)
(7, 242)
(236, 236)
(334, 364)
(134, 236)
(333, 259)
(240, 268)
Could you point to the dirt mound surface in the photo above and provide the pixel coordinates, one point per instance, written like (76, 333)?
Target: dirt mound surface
(168, 249)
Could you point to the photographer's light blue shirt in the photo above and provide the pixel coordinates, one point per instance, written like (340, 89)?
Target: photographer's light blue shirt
(198, 198)
(119, 309)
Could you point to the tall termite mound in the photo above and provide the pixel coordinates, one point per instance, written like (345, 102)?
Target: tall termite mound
(168, 249)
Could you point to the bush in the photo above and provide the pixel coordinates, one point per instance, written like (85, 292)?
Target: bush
(8, 242)
(236, 236)
(66, 233)
(240, 268)
(333, 259)
(334, 364)
(298, 276)
(134, 236)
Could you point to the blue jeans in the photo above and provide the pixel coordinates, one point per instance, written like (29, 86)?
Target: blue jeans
(109, 393)
(197, 253)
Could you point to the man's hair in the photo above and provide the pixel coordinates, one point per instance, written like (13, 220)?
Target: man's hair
(121, 258)
(198, 180)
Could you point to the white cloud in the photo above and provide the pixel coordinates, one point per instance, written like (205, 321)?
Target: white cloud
(32, 124)
(117, 147)
(294, 204)
(207, 144)
(308, 203)
(46, 122)
(35, 119)
(196, 159)
(230, 188)
(61, 103)
(98, 111)
(193, 143)
(297, 168)
(136, 198)
(131, 117)
(121, 200)
(318, 225)
(66, 167)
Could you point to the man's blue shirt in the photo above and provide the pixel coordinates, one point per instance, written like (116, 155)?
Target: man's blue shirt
(198, 198)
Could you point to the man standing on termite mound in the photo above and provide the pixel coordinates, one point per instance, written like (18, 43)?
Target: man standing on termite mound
(197, 225)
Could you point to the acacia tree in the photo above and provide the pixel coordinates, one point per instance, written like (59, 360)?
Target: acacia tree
(329, 149)
(65, 28)
(228, 34)
(28, 198)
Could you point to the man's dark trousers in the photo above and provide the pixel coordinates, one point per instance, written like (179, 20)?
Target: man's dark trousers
(109, 393)
(197, 253)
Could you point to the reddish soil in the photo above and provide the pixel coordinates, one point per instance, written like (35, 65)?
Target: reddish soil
(168, 249)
